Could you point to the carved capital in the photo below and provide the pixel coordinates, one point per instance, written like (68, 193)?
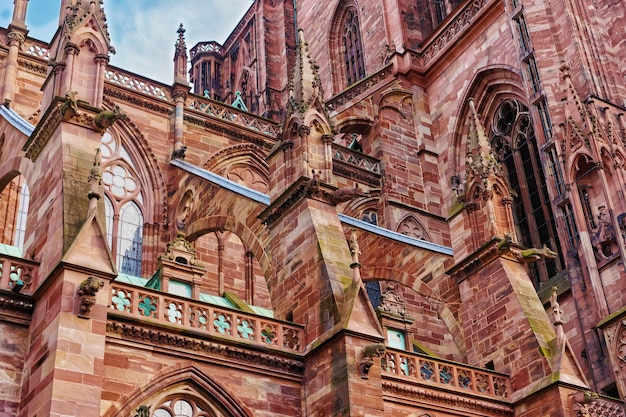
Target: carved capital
(15, 39)
(327, 138)
(102, 59)
(304, 131)
(72, 49)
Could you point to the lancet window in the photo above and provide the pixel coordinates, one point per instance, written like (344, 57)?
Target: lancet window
(513, 141)
(353, 48)
(123, 202)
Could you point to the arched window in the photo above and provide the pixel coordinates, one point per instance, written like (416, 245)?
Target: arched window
(352, 48)
(180, 407)
(123, 204)
(513, 141)
(22, 214)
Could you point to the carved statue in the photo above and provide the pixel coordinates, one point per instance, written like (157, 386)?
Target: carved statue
(142, 411)
(179, 153)
(106, 118)
(90, 286)
(604, 233)
(70, 107)
(346, 194)
(87, 291)
(367, 354)
(313, 185)
(354, 247)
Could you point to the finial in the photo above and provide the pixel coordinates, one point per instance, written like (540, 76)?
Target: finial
(180, 42)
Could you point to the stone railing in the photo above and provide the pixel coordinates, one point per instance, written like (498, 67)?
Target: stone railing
(232, 115)
(206, 47)
(436, 372)
(16, 274)
(35, 48)
(365, 85)
(603, 407)
(357, 159)
(206, 318)
(136, 83)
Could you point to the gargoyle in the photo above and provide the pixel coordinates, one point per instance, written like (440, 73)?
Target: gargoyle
(313, 185)
(106, 118)
(367, 354)
(179, 153)
(87, 291)
(90, 286)
(69, 108)
(534, 254)
(342, 195)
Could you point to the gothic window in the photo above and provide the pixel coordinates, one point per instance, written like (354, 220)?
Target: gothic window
(373, 292)
(410, 226)
(514, 142)
(22, 213)
(180, 407)
(352, 48)
(546, 122)
(370, 216)
(523, 36)
(570, 226)
(532, 72)
(555, 168)
(123, 204)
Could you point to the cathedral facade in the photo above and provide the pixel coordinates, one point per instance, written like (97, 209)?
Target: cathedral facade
(348, 208)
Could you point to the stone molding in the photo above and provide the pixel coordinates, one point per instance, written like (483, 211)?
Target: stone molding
(449, 401)
(178, 342)
(137, 100)
(230, 130)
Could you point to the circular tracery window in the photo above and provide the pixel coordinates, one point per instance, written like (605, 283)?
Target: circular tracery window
(180, 408)
(505, 117)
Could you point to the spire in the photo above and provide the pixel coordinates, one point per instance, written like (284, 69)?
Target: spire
(180, 58)
(481, 162)
(305, 87)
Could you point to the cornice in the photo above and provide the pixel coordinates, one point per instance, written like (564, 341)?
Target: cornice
(448, 401)
(230, 130)
(122, 94)
(169, 339)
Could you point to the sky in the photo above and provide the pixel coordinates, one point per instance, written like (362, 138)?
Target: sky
(143, 32)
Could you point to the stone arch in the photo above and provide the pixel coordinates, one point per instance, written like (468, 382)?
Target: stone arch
(376, 273)
(146, 165)
(489, 85)
(183, 377)
(344, 7)
(405, 100)
(409, 225)
(246, 156)
(356, 208)
(245, 234)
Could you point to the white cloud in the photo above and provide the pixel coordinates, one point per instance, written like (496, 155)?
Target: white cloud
(143, 32)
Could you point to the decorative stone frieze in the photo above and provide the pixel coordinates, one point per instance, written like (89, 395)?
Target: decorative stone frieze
(176, 341)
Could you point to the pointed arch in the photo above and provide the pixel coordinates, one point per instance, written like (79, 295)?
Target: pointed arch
(242, 163)
(346, 46)
(409, 225)
(176, 381)
(378, 273)
(489, 85)
(247, 236)
(149, 171)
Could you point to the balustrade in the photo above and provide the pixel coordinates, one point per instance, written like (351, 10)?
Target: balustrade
(444, 373)
(16, 275)
(356, 159)
(217, 321)
(232, 115)
(134, 82)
